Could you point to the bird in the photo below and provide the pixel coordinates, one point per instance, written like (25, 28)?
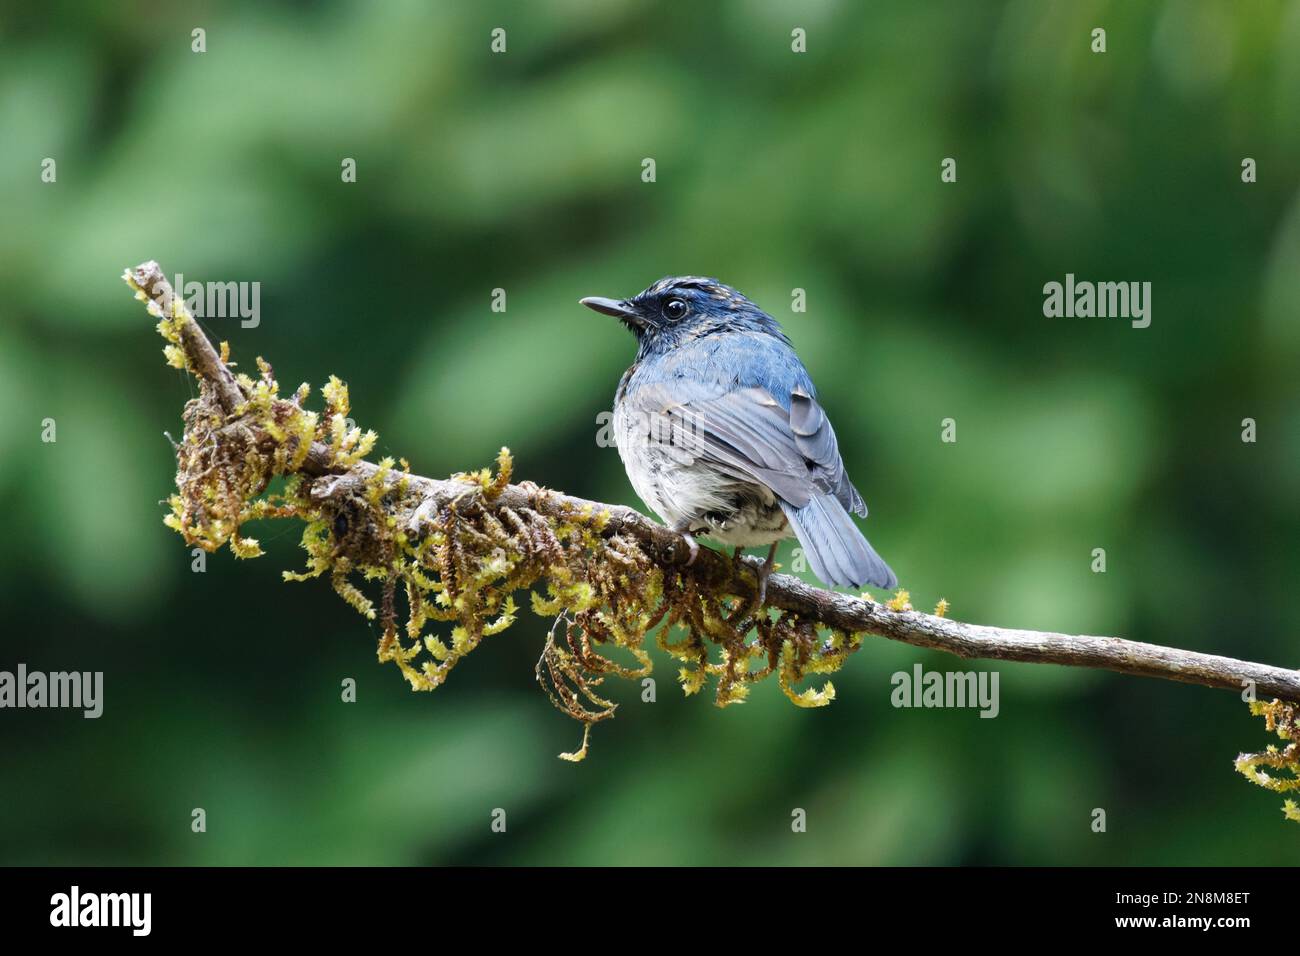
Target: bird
(722, 435)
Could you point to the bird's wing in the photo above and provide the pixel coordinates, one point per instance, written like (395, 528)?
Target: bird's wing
(748, 433)
(816, 440)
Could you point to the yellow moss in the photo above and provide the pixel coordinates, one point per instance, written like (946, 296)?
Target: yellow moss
(336, 397)
(505, 467)
(1282, 718)
(731, 692)
(352, 594)
(581, 753)
(245, 547)
(790, 673)
(902, 601)
(692, 680)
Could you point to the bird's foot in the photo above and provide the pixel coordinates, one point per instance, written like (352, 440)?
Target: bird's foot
(764, 571)
(692, 546)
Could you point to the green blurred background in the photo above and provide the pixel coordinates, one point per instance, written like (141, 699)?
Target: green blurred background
(775, 171)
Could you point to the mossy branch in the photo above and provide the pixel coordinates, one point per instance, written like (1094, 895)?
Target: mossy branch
(457, 550)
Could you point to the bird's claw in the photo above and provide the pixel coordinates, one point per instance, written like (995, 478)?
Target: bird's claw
(764, 571)
(692, 546)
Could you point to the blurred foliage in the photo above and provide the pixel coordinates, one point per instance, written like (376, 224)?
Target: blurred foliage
(522, 171)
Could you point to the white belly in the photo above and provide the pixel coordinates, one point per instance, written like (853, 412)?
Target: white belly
(688, 493)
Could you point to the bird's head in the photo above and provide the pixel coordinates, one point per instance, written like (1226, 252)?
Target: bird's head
(680, 308)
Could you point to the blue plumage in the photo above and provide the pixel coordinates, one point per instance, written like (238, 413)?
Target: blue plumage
(719, 428)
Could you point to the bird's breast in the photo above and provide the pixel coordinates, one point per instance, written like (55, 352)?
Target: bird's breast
(686, 488)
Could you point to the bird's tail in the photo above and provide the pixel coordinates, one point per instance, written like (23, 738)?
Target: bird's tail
(836, 549)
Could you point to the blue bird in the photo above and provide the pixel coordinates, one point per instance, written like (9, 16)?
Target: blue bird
(718, 426)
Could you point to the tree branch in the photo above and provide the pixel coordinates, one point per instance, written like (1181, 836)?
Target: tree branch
(714, 570)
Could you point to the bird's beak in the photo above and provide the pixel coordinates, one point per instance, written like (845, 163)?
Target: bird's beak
(612, 307)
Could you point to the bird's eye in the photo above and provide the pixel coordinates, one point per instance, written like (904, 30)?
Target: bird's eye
(676, 308)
